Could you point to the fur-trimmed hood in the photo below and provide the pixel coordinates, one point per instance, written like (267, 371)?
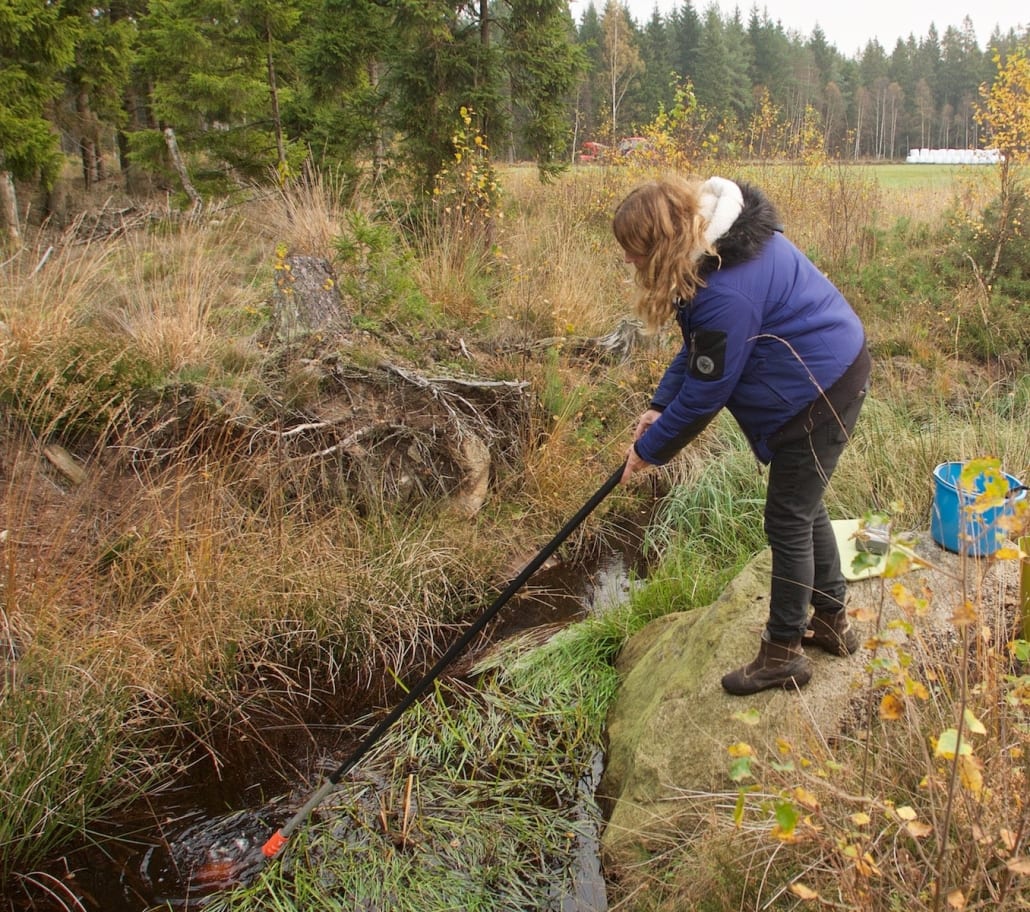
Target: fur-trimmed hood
(757, 222)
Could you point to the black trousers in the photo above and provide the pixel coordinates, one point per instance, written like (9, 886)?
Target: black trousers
(805, 561)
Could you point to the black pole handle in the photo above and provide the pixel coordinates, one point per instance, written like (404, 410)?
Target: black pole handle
(458, 646)
(419, 688)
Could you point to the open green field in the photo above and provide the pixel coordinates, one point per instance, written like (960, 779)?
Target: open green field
(895, 176)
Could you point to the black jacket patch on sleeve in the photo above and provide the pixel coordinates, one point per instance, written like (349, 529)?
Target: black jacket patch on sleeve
(707, 354)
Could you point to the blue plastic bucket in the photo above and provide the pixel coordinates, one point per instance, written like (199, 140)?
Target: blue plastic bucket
(954, 525)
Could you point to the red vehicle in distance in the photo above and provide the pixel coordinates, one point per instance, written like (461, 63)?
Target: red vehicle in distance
(630, 144)
(595, 152)
(592, 152)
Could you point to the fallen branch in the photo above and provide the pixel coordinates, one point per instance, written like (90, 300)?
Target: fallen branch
(180, 168)
(65, 463)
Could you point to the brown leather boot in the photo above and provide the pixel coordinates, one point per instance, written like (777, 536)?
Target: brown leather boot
(778, 664)
(832, 632)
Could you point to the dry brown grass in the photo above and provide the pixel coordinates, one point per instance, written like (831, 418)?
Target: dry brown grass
(189, 566)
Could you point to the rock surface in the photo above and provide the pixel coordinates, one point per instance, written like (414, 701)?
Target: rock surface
(672, 723)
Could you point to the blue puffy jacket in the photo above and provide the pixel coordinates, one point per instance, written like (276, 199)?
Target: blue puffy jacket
(766, 337)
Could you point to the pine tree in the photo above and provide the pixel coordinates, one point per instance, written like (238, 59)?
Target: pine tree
(513, 66)
(963, 68)
(221, 72)
(771, 57)
(721, 81)
(685, 24)
(95, 83)
(36, 45)
(657, 84)
(591, 86)
(339, 106)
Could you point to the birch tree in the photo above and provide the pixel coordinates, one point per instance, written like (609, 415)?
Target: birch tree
(621, 58)
(1004, 114)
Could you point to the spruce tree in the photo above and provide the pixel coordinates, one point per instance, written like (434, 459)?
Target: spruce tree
(36, 45)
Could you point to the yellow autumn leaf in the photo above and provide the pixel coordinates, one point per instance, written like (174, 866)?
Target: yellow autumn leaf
(802, 892)
(905, 813)
(973, 724)
(970, 775)
(785, 836)
(740, 749)
(891, 708)
(738, 809)
(898, 563)
(917, 829)
(965, 615)
(917, 689)
(948, 745)
(903, 596)
(811, 825)
(805, 798)
(747, 716)
(861, 819)
(1019, 865)
(865, 866)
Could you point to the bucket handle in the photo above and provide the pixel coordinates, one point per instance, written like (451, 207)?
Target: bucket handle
(1011, 493)
(1014, 490)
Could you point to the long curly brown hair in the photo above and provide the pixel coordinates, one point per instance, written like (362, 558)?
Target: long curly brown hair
(659, 222)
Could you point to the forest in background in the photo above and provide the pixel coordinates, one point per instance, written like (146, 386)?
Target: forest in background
(200, 98)
(763, 89)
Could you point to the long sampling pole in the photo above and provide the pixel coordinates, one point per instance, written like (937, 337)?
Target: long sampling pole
(278, 839)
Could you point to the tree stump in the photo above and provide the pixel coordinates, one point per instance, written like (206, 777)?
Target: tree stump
(306, 298)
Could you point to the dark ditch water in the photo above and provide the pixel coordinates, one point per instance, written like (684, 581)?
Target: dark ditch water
(148, 857)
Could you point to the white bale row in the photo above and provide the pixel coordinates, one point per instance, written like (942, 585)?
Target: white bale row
(954, 156)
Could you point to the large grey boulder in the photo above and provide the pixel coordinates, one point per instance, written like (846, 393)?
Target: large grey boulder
(671, 725)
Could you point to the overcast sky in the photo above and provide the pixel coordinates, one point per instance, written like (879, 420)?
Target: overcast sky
(849, 25)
